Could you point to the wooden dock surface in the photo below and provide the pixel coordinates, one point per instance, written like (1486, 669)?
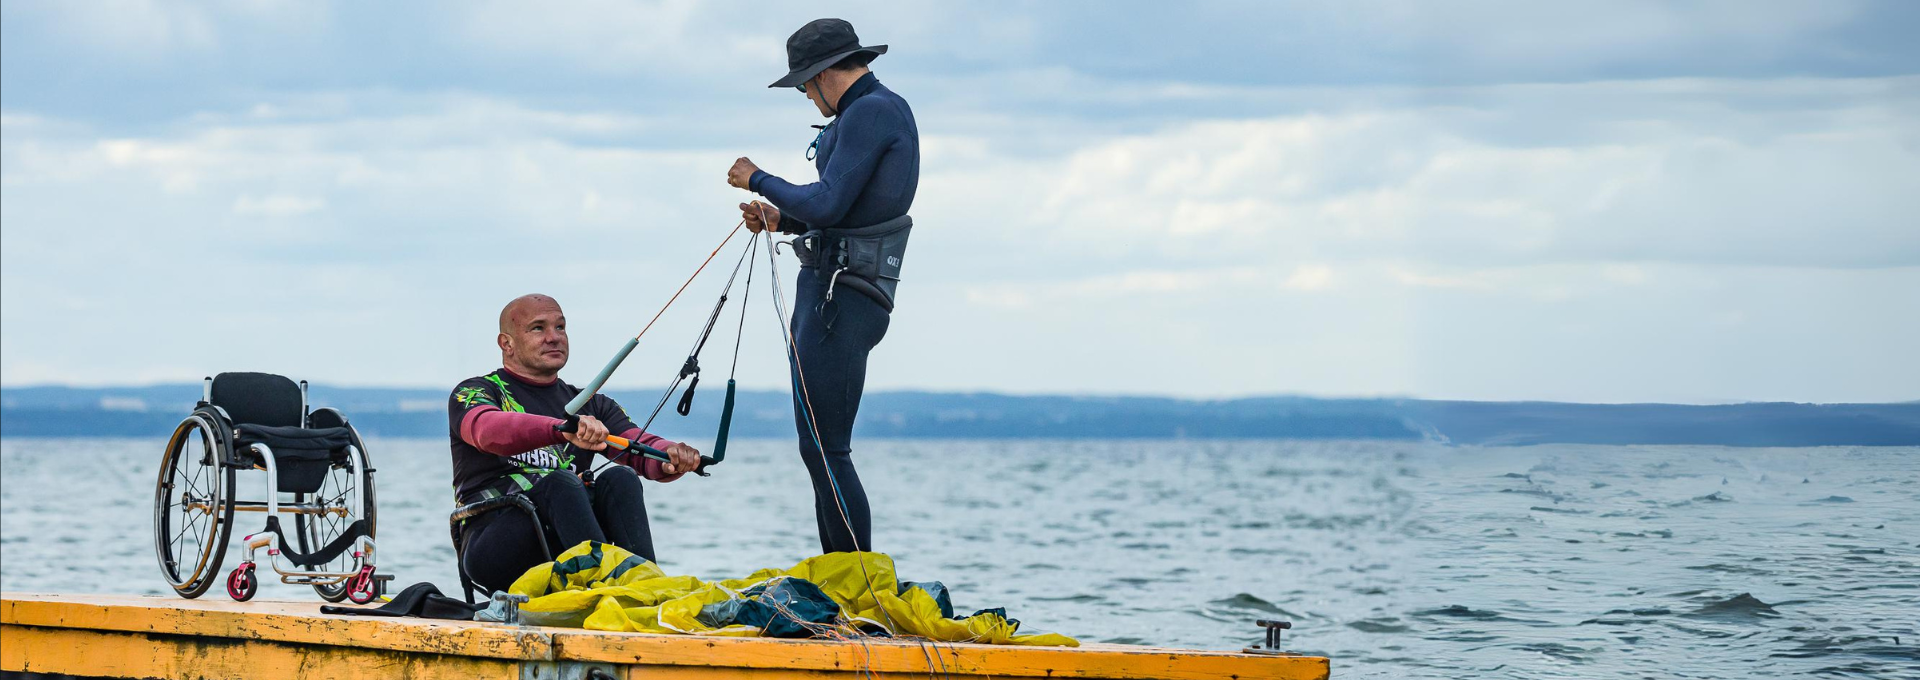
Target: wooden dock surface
(129, 636)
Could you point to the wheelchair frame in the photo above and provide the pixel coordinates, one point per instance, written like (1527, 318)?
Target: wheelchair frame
(222, 457)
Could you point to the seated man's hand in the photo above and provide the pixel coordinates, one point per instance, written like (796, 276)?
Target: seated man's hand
(685, 459)
(760, 215)
(591, 435)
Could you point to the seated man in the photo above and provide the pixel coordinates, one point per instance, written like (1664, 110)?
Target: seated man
(504, 442)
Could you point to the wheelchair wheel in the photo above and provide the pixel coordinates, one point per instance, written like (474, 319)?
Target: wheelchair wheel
(363, 588)
(313, 531)
(193, 506)
(242, 583)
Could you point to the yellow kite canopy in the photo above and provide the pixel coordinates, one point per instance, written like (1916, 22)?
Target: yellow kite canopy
(603, 587)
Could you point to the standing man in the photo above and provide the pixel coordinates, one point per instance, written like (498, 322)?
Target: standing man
(853, 225)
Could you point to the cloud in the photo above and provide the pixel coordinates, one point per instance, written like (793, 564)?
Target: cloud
(136, 26)
(1291, 201)
(277, 205)
(602, 35)
(1272, 43)
(1829, 184)
(1309, 277)
(134, 31)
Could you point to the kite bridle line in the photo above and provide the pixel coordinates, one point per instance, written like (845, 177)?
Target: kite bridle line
(692, 369)
(580, 400)
(593, 387)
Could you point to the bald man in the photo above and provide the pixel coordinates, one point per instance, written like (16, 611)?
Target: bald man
(504, 442)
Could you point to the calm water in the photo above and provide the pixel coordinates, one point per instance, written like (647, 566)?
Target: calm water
(1398, 560)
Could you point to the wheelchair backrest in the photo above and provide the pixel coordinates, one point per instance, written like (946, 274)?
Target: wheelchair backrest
(259, 399)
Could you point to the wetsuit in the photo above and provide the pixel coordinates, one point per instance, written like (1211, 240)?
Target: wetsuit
(501, 425)
(869, 165)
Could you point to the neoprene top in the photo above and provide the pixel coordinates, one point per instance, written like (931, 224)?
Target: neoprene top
(869, 165)
(503, 438)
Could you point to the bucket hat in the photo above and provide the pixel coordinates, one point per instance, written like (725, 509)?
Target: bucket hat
(820, 44)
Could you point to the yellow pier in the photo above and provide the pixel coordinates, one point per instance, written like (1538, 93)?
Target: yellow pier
(128, 636)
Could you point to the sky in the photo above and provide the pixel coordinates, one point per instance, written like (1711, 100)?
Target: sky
(1577, 201)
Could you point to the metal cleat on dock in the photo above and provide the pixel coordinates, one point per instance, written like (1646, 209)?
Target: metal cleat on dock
(505, 608)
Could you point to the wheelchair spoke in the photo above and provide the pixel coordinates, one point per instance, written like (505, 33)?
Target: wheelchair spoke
(186, 520)
(173, 544)
(333, 524)
(197, 475)
(181, 473)
(176, 543)
(180, 553)
(195, 528)
(336, 521)
(193, 486)
(201, 529)
(194, 491)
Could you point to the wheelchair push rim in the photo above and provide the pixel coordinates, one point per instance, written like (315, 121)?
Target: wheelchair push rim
(193, 509)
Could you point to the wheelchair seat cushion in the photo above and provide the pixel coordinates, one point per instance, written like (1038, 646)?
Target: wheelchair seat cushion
(293, 438)
(301, 456)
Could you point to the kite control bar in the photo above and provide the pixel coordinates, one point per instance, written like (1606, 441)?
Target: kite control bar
(572, 425)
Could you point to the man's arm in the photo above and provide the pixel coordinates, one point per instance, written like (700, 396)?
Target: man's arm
(864, 138)
(505, 433)
(478, 420)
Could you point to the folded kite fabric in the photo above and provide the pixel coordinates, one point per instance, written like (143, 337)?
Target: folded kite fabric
(601, 586)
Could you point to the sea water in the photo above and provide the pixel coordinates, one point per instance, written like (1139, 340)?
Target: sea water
(1394, 559)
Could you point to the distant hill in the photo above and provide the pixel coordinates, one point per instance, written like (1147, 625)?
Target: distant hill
(153, 411)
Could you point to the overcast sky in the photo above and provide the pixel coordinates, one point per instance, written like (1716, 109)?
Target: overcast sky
(1611, 201)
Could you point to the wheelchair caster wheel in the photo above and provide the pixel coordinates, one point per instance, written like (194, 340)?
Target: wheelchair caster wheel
(241, 584)
(363, 587)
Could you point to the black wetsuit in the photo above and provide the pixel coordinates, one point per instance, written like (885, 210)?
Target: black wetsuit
(501, 412)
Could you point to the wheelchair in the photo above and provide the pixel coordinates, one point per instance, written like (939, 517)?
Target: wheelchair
(249, 422)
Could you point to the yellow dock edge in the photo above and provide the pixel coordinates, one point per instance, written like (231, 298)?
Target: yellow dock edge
(168, 637)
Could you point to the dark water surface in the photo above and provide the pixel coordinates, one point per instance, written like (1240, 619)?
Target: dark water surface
(1398, 560)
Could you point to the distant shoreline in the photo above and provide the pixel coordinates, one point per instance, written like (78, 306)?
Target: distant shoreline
(153, 411)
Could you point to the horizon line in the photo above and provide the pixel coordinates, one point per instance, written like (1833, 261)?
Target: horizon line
(1080, 395)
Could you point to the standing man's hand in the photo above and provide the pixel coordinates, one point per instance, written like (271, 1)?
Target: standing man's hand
(591, 435)
(685, 459)
(741, 172)
(760, 215)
